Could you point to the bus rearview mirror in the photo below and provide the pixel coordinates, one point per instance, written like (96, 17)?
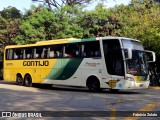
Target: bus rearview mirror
(150, 56)
(127, 53)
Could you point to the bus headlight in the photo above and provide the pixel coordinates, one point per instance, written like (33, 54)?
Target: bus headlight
(129, 78)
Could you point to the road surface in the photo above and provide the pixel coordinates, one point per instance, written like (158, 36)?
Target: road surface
(58, 99)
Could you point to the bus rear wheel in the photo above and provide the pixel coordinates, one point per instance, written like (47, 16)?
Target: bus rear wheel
(93, 84)
(28, 80)
(19, 80)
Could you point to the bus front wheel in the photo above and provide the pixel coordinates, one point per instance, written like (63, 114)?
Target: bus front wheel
(93, 84)
(19, 80)
(28, 80)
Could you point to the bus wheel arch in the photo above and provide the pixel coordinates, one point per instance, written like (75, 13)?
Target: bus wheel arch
(19, 79)
(28, 80)
(93, 84)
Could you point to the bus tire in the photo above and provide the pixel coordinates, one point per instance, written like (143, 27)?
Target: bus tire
(93, 84)
(28, 80)
(19, 80)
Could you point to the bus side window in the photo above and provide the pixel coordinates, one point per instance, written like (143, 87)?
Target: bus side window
(44, 53)
(28, 53)
(91, 49)
(15, 56)
(97, 53)
(37, 52)
(28, 56)
(18, 53)
(9, 54)
(51, 54)
(58, 54)
(55, 51)
(72, 50)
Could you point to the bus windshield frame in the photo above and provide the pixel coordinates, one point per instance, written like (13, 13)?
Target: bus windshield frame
(138, 64)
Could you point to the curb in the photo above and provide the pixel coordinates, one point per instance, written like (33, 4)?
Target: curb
(155, 88)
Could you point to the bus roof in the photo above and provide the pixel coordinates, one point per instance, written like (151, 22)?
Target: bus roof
(68, 40)
(113, 37)
(50, 42)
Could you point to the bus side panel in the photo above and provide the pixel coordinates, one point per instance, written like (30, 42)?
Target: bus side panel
(38, 69)
(8, 71)
(66, 74)
(91, 67)
(75, 71)
(8, 74)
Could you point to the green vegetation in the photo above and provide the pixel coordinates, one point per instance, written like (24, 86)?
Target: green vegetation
(52, 20)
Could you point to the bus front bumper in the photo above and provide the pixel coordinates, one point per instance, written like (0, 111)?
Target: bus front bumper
(135, 85)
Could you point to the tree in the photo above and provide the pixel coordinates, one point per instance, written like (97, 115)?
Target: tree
(10, 12)
(60, 3)
(8, 30)
(141, 22)
(43, 24)
(10, 18)
(3, 24)
(98, 22)
(35, 27)
(67, 22)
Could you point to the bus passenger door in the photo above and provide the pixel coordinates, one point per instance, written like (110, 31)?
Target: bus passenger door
(114, 63)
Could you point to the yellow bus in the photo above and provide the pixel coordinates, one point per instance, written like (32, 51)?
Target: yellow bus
(97, 63)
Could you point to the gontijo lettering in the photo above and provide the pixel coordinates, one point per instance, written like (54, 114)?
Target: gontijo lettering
(36, 63)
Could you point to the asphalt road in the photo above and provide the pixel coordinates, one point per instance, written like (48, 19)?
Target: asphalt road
(58, 99)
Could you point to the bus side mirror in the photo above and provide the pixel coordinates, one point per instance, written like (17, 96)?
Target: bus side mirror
(127, 53)
(150, 56)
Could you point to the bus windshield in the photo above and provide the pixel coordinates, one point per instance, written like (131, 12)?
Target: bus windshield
(138, 64)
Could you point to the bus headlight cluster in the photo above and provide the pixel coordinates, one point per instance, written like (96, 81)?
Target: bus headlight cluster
(130, 78)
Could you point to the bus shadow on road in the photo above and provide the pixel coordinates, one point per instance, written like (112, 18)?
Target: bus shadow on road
(76, 89)
(82, 89)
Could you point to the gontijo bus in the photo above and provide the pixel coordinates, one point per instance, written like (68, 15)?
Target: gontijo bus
(99, 63)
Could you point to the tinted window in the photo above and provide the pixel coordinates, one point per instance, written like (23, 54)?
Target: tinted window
(113, 57)
(17, 53)
(85, 49)
(41, 52)
(91, 49)
(55, 51)
(28, 53)
(72, 50)
(9, 54)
